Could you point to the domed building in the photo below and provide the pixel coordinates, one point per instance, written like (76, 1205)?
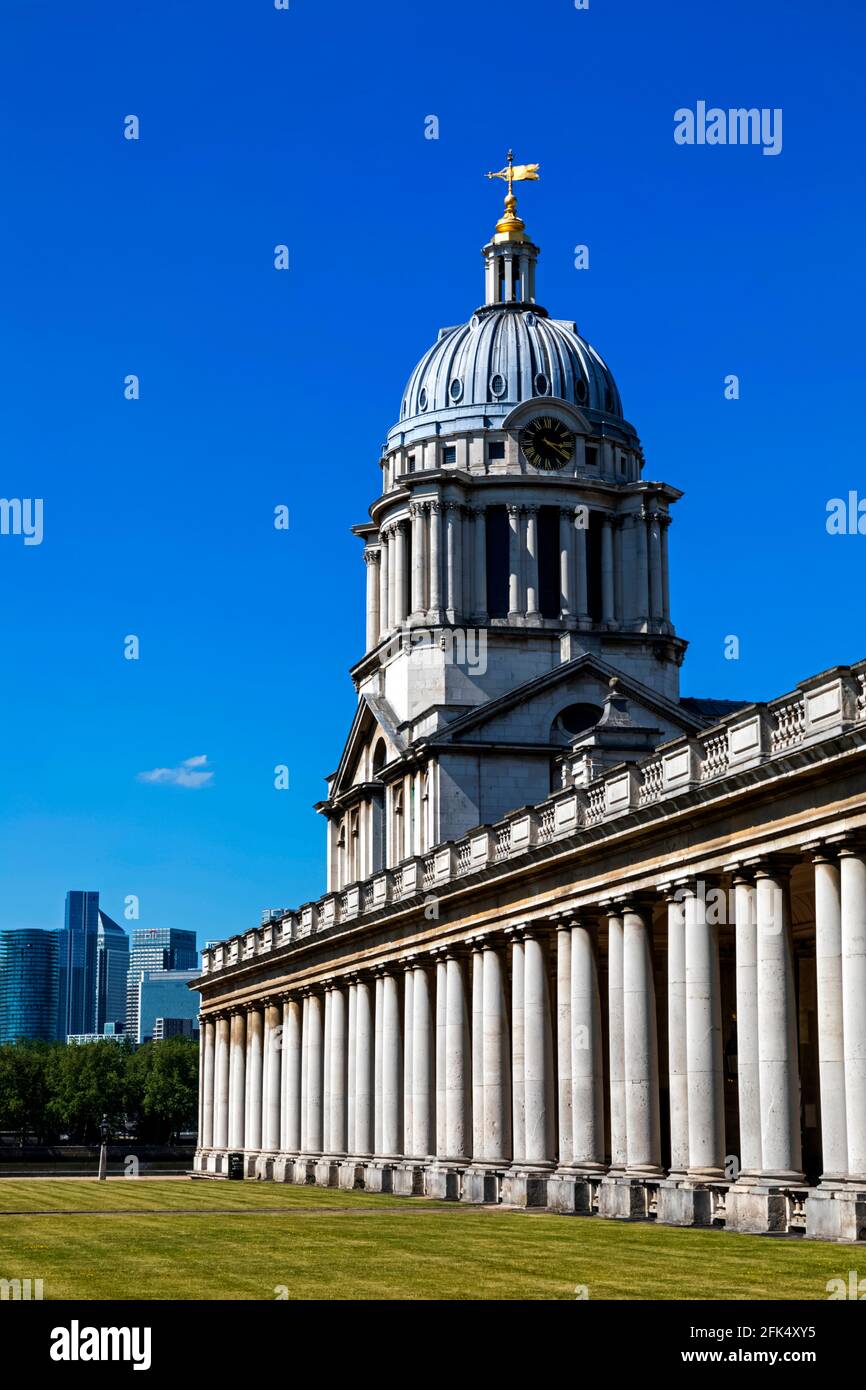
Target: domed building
(585, 944)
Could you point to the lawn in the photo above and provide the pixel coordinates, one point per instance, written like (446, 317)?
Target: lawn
(180, 1239)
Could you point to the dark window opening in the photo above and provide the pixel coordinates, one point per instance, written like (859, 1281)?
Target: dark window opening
(449, 454)
(576, 719)
(548, 561)
(496, 450)
(593, 566)
(591, 456)
(497, 562)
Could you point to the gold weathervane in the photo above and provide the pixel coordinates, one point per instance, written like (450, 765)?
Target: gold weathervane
(509, 224)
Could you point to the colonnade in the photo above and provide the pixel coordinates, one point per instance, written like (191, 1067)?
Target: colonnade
(432, 566)
(523, 1064)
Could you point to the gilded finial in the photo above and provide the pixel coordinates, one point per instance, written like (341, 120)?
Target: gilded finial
(510, 227)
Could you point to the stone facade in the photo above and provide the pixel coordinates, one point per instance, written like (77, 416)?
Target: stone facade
(583, 946)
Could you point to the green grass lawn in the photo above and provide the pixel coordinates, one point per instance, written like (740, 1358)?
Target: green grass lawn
(128, 1239)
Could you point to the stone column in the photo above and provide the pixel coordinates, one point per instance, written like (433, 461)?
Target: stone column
(201, 1052)
(408, 1045)
(417, 605)
(655, 567)
(274, 1043)
(435, 567)
(237, 1079)
(587, 1076)
(852, 867)
(530, 552)
(677, 1055)
(453, 560)
(515, 586)
(422, 1064)
(305, 1087)
(566, 563)
(221, 1081)
(351, 1055)
(467, 604)
(480, 606)
(400, 575)
(477, 1034)
(564, 1044)
(664, 523)
(392, 1068)
(208, 1036)
(518, 1053)
(371, 560)
(607, 578)
(326, 1073)
(314, 1073)
(641, 570)
(384, 584)
(748, 1069)
(457, 1070)
(377, 1065)
(643, 1145)
(616, 1043)
(255, 1048)
(337, 1072)
(364, 1068)
(706, 1099)
(495, 1060)
(831, 1040)
(290, 1138)
(441, 1055)
(779, 1077)
(581, 582)
(538, 1053)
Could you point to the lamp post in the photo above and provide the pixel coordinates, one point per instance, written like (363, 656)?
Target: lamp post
(103, 1149)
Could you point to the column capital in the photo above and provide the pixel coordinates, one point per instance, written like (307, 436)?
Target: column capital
(774, 864)
(371, 555)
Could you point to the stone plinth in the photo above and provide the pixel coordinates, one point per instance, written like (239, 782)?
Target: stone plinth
(379, 1176)
(283, 1168)
(624, 1199)
(327, 1172)
(525, 1187)
(569, 1193)
(836, 1215)
(352, 1175)
(260, 1166)
(482, 1185)
(304, 1170)
(443, 1181)
(408, 1179)
(758, 1209)
(684, 1204)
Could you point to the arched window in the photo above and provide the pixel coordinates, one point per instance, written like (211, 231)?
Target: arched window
(378, 822)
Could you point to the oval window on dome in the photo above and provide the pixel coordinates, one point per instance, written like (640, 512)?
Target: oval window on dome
(455, 390)
(608, 399)
(422, 398)
(497, 385)
(529, 320)
(474, 321)
(542, 385)
(581, 390)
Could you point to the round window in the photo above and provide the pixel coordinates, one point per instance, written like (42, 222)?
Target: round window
(542, 385)
(576, 719)
(422, 398)
(497, 385)
(581, 390)
(455, 390)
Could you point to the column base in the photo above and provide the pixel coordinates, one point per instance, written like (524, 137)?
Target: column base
(836, 1214)
(684, 1203)
(526, 1186)
(482, 1185)
(572, 1192)
(623, 1198)
(408, 1179)
(757, 1208)
(328, 1172)
(304, 1170)
(217, 1161)
(283, 1168)
(199, 1161)
(443, 1181)
(352, 1176)
(262, 1166)
(379, 1176)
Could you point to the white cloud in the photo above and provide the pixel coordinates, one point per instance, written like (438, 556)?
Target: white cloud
(184, 775)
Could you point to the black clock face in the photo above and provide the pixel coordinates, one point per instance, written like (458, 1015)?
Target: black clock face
(547, 443)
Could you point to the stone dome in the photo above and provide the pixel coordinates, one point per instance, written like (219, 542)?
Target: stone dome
(505, 354)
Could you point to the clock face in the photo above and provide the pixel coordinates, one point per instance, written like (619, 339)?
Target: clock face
(547, 443)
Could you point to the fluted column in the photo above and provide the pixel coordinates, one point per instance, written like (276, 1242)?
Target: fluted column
(435, 563)
(515, 568)
(221, 1081)
(852, 870)
(422, 1064)
(480, 604)
(538, 1052)
(400, 574)
(566, 563)
(530, 552)
(377, 1063)
(272, 1088)
(290, 1109)
(831, 1041)
(678, 1077)
(643, 1144)
(237, 1080)
(608, 612)
(255, 1049)
(453, 560)
(587, 1075)
(495, 1060)
(748, 1067)
(777, 1028)
(326, 1073)
(337, 1072)
(371, 560)
(392, 1068)
(208, 1043)
(477, 1037)
(706, 1096)
(641, 570)
(384, 584)
(581, 578)
(457, 1070)
(416, 512)
(406, 1146)
(441, 1055)
(314, 1074)
(364, 1083)
(351, 1061)
(518, 1053)
(564, 1044)
(616, 1043)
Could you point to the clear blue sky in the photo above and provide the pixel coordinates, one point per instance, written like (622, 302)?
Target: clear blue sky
(258, 387)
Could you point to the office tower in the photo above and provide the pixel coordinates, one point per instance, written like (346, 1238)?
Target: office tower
(92, 963)
(156, 948)
(165, 996)
(112, 969)
(28, 984)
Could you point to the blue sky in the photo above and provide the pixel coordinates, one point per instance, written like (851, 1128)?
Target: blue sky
(155, 257)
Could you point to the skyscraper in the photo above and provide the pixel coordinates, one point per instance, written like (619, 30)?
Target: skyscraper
(164, 997)
(156, 948)
(92, 965)
(28, 983)
(112, 969)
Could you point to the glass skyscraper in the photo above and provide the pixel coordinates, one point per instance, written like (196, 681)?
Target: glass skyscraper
(164, 997)
(29, 978)
(93, 961)
(156, 948)
(112, 970)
